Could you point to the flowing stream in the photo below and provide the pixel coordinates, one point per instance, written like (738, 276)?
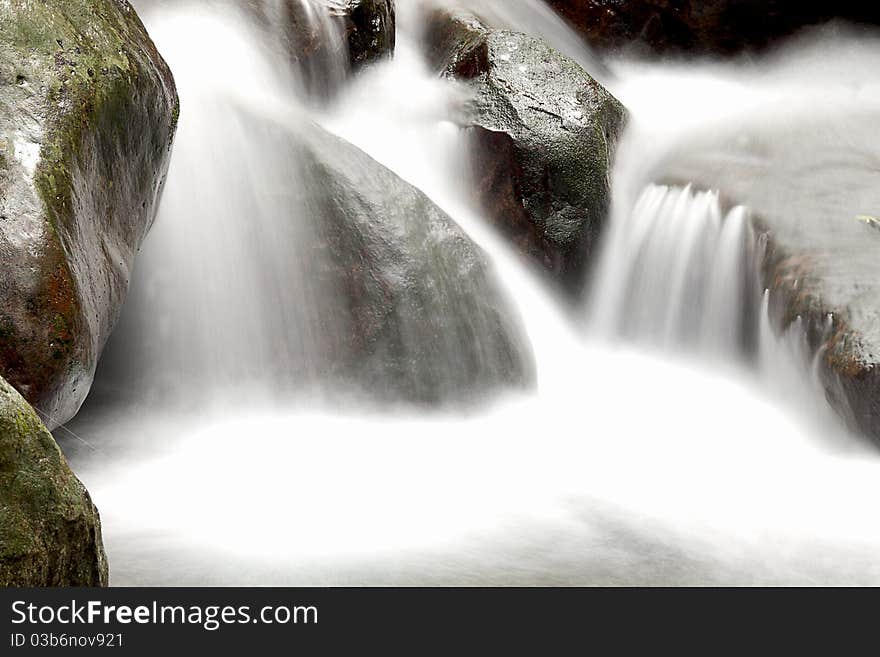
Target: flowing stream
(672, 437)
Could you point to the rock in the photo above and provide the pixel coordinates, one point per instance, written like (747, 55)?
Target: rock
(543, 135)
(701, 26)
(50, 532)
(352, 285)
(310, 37)
(314, 33)
(417, 315)
(87, 116)
(371, 31)
(809, 179)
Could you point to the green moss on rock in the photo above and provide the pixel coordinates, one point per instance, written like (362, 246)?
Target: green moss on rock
(87, 116)
(50, 532)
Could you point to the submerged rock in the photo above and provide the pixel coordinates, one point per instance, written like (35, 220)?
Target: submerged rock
(701, 26)
(417, 314)
(88, 110)
(50, 532)
(543, 135)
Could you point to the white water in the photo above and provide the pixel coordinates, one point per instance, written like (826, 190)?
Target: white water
(624, 466)
(679, 271)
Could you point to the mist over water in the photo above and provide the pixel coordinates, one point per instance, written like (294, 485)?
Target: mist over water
(672, 438)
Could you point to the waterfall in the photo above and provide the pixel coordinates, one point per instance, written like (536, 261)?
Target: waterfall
(680, 271)
(627, 465)
(532, 16)
(309, 35)
(193, 322)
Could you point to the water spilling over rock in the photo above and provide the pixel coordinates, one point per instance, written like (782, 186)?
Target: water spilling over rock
(50, 533)
(795, 143)
(680, 271)
(303, 265)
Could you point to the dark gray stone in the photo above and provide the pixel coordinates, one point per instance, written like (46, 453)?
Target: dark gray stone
(415, 308)
(50, 532)
(543, 135)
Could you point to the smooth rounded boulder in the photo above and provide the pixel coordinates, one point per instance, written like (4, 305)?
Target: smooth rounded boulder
(50, 532)
(361, 287)
(417, 311)
(543, 136)
(88, 111)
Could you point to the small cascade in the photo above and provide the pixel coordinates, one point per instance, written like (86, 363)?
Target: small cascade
(222, 297)
(311, 35)
(678, 271)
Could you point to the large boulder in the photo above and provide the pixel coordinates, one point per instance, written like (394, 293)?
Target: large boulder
(88, 111)
(543, 133)
(701, 26)
(344, 281)
(50, 533)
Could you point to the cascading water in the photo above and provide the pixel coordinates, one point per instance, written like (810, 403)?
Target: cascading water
(196, 323)
(623, 467)
(680, 271)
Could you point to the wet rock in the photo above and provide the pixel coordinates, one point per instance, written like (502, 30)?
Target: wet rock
(315, 32)
(543, 134)
(809, 179)
(701, 26)
(87, 115)
(370, 31)
(839, 311)
(415, 309)
(50, 532)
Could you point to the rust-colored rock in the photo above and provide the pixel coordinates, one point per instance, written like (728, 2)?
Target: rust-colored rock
(88, 110)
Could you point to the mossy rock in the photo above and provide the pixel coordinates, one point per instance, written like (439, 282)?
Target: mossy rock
(88, 110)
(543, 133)
(50, 532)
